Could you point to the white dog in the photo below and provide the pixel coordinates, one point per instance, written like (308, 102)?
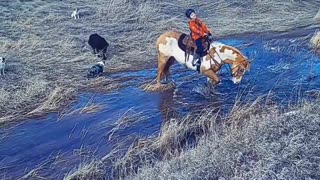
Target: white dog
(75, 14)
(2, 65)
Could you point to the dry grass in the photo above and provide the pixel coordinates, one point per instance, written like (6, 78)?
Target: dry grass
(175, 135)
(93, 108)
(317, 16)
(265, 145)
(260, 142)
(315, 40)
(59, 97)
(89, 108)
(153, 87)
(101, 84)
(127, 119)
(91, 170)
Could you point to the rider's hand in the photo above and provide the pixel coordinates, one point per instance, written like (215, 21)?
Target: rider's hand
(210, 38)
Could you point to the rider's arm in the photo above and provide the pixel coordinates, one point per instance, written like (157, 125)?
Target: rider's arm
(205, 29)
(194, 28)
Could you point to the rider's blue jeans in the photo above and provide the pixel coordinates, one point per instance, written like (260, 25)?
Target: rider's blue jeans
(199, 50)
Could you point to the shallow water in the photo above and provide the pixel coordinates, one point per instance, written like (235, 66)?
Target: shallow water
(283, 66)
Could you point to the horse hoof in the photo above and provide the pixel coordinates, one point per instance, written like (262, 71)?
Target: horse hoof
(164, 82)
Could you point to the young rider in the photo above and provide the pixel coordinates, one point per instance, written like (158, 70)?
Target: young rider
(199, 31)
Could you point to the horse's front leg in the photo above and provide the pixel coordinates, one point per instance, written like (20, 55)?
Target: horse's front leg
(212, 76)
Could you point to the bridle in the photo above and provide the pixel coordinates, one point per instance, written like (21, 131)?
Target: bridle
(235, 73)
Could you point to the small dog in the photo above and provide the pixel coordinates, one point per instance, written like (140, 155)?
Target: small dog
(96, 70)
(75, 14)
(2, 65)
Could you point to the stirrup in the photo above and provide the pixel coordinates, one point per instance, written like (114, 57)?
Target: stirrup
(195, 62)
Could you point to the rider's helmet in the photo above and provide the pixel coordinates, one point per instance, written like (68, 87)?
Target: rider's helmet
(189, 12)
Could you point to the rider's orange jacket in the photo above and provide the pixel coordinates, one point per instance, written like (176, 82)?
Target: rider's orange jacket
(198, 29)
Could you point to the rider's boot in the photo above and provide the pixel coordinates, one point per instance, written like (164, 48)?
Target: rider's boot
(195, 60)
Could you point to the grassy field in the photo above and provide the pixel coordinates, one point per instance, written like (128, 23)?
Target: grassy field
(47, 50)
(264, 145)
(255, 141)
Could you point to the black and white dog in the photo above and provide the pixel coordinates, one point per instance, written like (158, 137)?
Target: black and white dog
(2, 65)
(96, 70)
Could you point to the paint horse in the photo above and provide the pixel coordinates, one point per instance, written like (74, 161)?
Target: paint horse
(172, 46)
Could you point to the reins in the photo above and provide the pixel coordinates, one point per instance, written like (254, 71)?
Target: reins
(217, 63)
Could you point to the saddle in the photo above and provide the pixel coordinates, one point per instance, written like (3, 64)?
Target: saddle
(189, 46)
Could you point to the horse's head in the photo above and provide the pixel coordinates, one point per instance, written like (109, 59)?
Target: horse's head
(239, 68)
(224, 54)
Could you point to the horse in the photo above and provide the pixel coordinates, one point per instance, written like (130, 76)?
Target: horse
(173, 46)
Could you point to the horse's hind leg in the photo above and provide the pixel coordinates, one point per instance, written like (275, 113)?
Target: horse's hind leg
(162, 62)
(167, 68)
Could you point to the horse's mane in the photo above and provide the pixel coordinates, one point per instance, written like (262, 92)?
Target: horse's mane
(235, 49)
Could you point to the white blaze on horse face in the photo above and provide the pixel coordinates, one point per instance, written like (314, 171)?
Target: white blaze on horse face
(171, 48)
